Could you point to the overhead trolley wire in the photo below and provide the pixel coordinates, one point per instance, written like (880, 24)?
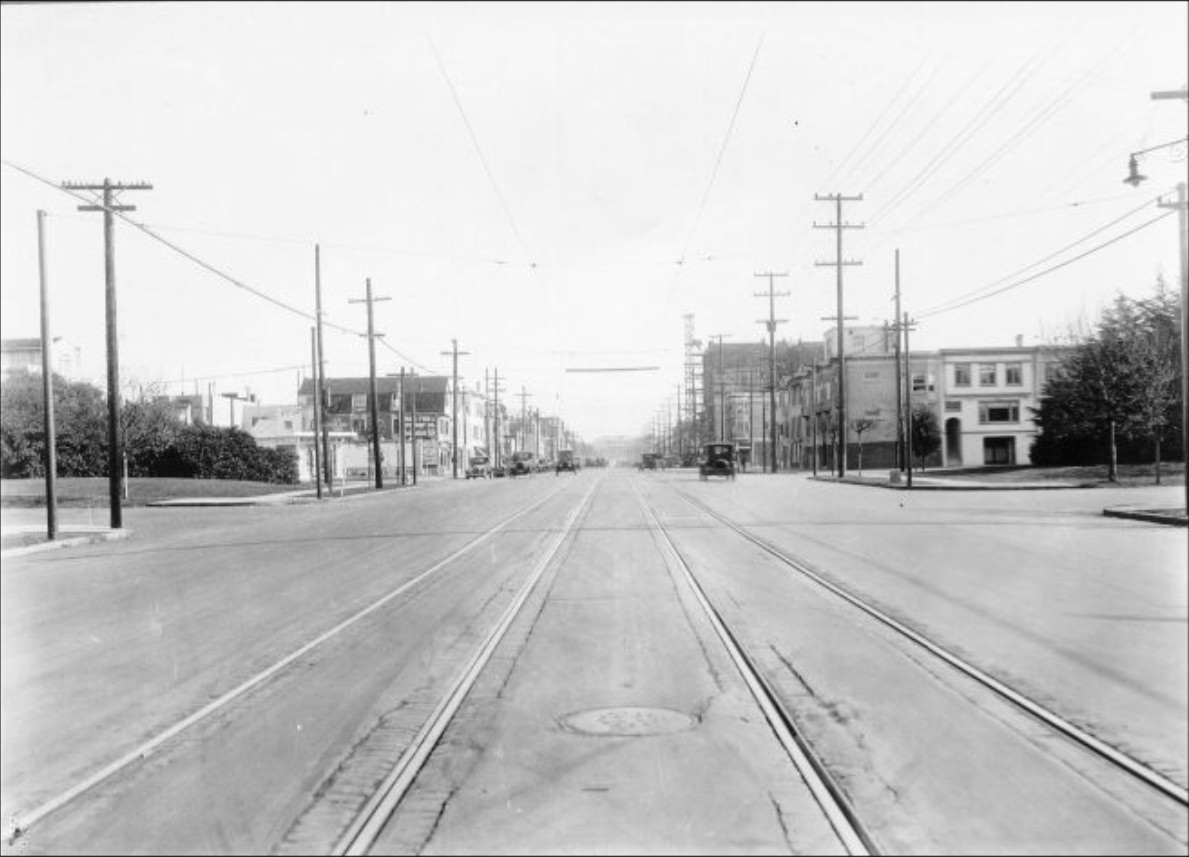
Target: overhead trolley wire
(682, 259)
(722, 150)
(479, 150)
(1037, 119)
(1002, 97)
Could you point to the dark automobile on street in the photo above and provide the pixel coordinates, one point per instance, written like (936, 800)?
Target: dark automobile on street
(718, 459)
(524, 463)
(566, 461)
(478, 467)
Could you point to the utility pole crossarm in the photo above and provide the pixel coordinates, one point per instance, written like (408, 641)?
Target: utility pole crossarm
(839, 264)
(115, 437)
(771, 323)
(371, 355)
(454, 405)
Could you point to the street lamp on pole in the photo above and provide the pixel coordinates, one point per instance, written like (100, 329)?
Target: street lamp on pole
(1181, 205)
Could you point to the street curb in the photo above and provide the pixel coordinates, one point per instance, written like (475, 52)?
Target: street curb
(934, 487)
(73, 542)
(1147, 516)
(300, 499)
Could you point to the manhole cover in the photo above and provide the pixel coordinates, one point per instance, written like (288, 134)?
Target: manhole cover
(627, 721)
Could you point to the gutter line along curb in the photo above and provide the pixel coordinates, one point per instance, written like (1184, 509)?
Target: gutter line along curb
(73, 542)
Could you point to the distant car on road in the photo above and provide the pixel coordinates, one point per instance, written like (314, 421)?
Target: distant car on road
(566, 461)
(479, 467)
(649, 461)
(523, 464)
(718, 459)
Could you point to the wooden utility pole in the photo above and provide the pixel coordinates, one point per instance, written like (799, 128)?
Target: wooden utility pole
(1182, 206)
(371, 361)
(499, 440)
(523, 416)
(839, 263)
(47, 389)
(771, 323)
(907, 326)
(317, 414)
(404, 479)
(115, 437)
(722, 388)
(416, 390)
(454, 400)
(813, 411)
(899, 413)
(841, 370)
(322, 389)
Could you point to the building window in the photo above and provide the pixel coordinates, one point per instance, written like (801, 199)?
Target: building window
(289, 424)
(961, 374)
(870, 375)
(394, 402)
(999, 450)
(986, 375)
(1014, 374)
(359, 401)
(922, 383)
(953, 406)
(999, 412)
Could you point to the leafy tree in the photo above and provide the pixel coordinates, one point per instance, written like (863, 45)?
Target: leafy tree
(1119, 392)
(858, 426)
(150, 428)
(80, 427)
(926, 433)
(155, 442)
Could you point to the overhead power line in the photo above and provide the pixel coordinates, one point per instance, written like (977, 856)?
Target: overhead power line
(1043, 259)
(179, 250)
(1057, 267)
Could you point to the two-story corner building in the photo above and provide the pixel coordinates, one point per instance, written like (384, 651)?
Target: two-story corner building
(989, 396)
(427, 406)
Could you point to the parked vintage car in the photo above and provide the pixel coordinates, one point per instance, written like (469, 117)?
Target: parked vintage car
(524, 463)
(479, 467)
(718, 459)
(648, 461)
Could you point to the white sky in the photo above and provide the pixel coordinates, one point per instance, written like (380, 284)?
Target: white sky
(984, 138)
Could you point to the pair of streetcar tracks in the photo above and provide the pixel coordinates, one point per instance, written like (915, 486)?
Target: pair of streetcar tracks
(830, 797)
(371, 821)
(1051, 719)
(20, 824)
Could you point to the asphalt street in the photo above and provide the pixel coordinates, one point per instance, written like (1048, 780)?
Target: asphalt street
(232, 680)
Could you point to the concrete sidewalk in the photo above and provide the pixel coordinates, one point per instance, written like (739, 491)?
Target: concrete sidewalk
(1172, 516)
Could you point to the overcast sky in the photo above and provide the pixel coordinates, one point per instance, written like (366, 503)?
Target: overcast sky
(555, 185)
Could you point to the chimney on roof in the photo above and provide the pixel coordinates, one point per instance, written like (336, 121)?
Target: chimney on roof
(1019, 340)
